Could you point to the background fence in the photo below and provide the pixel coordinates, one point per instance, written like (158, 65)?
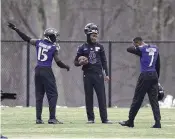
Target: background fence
(18, 60)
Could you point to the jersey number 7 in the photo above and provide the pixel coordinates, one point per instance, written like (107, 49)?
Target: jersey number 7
(152, 58)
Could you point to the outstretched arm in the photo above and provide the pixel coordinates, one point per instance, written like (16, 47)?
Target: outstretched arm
(22, 35)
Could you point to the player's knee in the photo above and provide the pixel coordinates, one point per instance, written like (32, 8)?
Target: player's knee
(51, 95)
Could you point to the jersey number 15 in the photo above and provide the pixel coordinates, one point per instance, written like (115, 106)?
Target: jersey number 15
(42, 54)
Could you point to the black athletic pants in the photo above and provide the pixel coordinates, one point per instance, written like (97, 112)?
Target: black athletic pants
(95, 80)
(147, 83)
(45, 82)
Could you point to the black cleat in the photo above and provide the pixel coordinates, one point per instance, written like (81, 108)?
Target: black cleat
(90, 122)
(157, 125)
(39, 121)
(54, 121)
(107, 122)
(127, 123)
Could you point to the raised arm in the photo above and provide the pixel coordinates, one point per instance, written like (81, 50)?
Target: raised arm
(134, 50)
(22, 35)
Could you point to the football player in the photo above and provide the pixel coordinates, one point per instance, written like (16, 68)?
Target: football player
(93, 72)
(147, 81)
(47, 50)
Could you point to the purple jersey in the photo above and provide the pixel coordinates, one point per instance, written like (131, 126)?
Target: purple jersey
(149, 57)
(45, 53)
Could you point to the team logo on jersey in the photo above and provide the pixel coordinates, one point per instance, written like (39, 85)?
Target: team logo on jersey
(97, 48)
(92, 57)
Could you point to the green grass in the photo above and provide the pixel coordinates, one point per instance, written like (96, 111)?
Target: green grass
(20, 122)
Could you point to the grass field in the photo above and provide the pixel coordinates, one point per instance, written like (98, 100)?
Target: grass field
(20, 122)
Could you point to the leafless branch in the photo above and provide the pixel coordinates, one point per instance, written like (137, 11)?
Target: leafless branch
(113, 18)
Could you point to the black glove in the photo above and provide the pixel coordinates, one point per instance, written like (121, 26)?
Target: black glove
(67, 67)
(12, 26)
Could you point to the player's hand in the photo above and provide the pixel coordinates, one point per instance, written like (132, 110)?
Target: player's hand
(106, 78)
(83, 63)
(12, 26)
(68, 68)
(82, 60)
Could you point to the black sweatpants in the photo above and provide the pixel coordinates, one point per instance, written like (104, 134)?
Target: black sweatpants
(147, 83)
(45, 82)
(94, 80)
